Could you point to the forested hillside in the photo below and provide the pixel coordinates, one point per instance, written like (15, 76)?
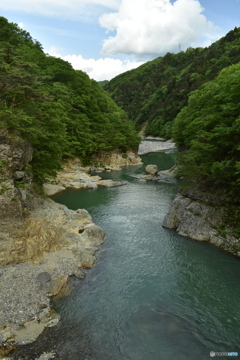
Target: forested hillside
(208, 133)
(157, 91)
(58, 109)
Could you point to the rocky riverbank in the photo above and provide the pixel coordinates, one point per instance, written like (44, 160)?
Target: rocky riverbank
(74, 175)
(201, 216)
(42, 243)
(152, 146)
(61, 243)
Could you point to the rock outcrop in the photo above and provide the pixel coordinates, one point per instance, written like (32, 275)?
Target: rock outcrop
(75, 176)
(152, 146)
(116, 160)
(152, 170)
(15, 178)
(201, 216)
(41, 244)
(170, 172)
(60, 242)
(153, 173)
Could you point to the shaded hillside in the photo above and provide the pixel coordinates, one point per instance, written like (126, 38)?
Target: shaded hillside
(58, 109)
(158, 90)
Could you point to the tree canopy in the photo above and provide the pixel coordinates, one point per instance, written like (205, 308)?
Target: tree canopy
(207, 132)
(61, 111)
(156, 91)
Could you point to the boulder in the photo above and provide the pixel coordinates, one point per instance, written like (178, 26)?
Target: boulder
(110, 183)
(152, 170)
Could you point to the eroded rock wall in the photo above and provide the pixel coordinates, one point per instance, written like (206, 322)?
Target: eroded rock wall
(192, 215)
(15, 178)
(115, 159)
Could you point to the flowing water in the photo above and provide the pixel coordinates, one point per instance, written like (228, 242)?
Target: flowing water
(152, 295)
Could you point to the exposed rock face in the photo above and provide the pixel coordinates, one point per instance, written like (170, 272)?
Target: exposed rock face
(75, 176)
(153, 173)
(152, 146)
(194, 218)
(115, 160)
(41, 244)
(170, 172)
(62, 241)
(25, 288)
(46, 356)
(15, 179)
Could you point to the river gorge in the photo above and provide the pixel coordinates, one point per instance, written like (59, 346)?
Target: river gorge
(152, 294)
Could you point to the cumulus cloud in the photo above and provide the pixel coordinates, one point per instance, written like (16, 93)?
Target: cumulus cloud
(21, 25)
(73, 9)
(154, 27)
(101, 69)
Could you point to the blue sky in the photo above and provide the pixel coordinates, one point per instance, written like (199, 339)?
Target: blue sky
(107, 37)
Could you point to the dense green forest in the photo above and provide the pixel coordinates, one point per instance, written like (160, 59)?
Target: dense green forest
(102, 83)
(194, 97)
(65, 114)
(58, 109)
(207, 132)
(157, 91)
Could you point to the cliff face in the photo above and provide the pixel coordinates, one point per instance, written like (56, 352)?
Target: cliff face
(22, 237)
(115, 160)
(29, 225)
(16, 197)
(192, 215)
(15, 180)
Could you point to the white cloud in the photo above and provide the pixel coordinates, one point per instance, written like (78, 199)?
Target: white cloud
(101, 69)
(21, 25)
(73, 9)
(154, 27)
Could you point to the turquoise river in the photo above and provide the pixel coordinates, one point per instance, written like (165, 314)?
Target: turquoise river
(152, 295)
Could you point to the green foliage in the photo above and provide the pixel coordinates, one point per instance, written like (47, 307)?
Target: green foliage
(58, 109)
(103, 82)
(2, 164)
(208, 133)
(158, 90)
(3, 189)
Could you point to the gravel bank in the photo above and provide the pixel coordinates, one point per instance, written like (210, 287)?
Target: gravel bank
(26, 288)
(152, 146)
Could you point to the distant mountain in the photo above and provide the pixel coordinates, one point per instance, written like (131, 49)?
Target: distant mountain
(103, 82)
(157, 91)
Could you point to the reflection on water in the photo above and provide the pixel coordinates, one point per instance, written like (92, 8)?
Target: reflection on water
(152, 294)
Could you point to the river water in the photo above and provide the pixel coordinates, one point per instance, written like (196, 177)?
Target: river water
(152, 295)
